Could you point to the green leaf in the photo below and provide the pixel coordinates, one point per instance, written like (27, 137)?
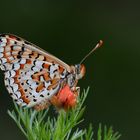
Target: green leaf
(63, 126)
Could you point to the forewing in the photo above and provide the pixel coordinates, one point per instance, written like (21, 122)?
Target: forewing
(31, 75)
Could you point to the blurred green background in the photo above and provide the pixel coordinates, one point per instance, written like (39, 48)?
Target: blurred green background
(66, 29)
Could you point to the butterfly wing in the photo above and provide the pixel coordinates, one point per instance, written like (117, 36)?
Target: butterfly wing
(31, 74)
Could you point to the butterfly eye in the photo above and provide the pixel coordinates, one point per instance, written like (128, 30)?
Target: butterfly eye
(80, 71)
(77, 69)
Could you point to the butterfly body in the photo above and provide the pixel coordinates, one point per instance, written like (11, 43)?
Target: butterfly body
(33, 76)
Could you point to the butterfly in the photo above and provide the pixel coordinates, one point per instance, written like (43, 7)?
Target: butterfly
(36, 78)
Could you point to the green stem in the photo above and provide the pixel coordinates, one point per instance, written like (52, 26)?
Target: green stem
(34, 125)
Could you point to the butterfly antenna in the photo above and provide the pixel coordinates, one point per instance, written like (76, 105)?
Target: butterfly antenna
(99, 44)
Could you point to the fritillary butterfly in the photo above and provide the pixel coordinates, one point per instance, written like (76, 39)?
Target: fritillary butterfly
(35, 78)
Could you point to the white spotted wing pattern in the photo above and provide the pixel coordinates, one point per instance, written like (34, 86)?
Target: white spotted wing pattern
(32, 75)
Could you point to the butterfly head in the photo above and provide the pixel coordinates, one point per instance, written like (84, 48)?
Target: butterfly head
(79, 71)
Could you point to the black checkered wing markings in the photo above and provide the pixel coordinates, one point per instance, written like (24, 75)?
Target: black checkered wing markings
(14, 53)
(21, 47)
(29, 85)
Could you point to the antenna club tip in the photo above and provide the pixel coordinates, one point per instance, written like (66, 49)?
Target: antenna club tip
(100, 43)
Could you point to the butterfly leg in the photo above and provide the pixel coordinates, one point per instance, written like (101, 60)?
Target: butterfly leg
(76, 91)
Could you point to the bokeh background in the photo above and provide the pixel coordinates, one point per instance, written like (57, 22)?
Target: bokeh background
(66, 29)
